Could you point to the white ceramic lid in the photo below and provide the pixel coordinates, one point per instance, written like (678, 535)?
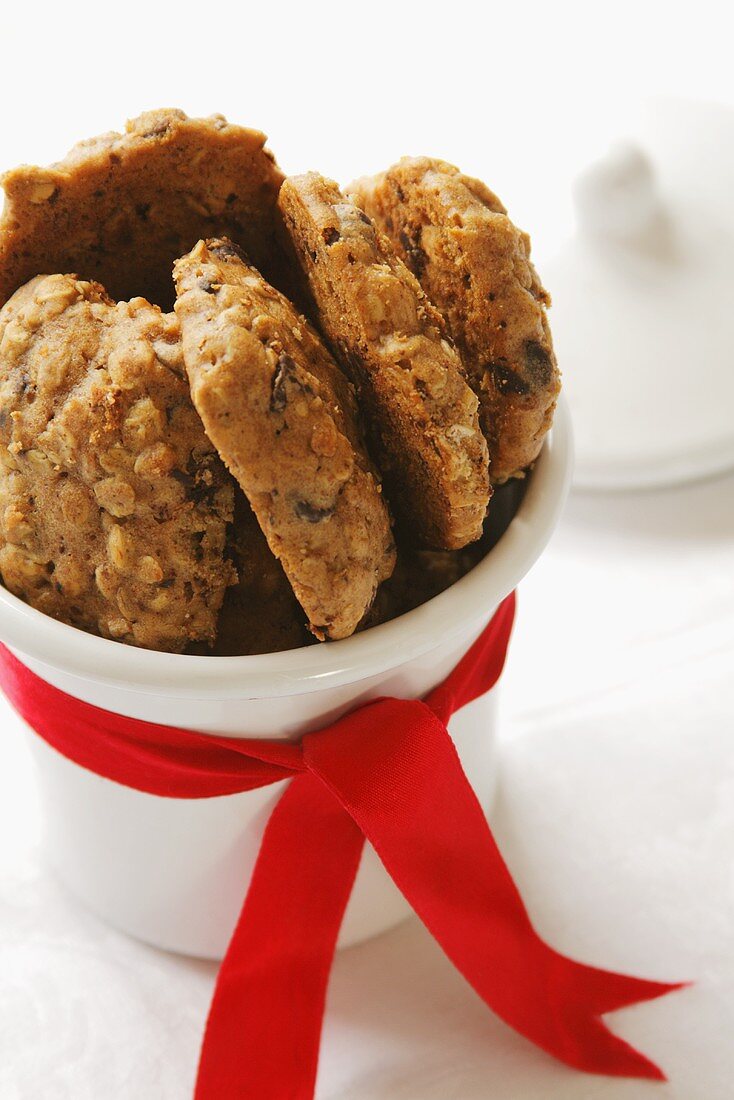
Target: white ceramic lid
(643, 296)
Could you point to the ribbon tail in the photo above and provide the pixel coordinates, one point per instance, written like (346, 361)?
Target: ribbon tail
(398, 775)
(595, 1049)
(607, 991)
(262, 1036)
(575, 996)
(593, 992)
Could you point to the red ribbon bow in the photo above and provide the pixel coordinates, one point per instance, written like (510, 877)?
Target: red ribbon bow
(387, 772)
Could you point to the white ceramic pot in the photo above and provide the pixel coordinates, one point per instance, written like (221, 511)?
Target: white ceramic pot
(174, 872)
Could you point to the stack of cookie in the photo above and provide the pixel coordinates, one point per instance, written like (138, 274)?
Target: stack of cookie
(232, 477)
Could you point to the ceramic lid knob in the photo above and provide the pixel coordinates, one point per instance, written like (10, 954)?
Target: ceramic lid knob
(616, 198)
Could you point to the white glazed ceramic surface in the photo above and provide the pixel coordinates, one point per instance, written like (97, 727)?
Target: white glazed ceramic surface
(642, 302)
(174, 872)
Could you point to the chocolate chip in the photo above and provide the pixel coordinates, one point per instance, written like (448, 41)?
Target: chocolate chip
(183, 478)
(538, 361)
(227, 250)
(330, 235)
(507, 380)
(415, 257)
(312, 514)
(23, 384)
(285, 372)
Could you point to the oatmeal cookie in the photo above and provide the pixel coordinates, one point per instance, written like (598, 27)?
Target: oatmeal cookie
(474, 265)
(421, 412)
(113, 503)
(260, 613)
(420, 575)
(284, 419)
(120, 208)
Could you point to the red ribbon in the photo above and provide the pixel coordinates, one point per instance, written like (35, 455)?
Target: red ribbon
(387, 772)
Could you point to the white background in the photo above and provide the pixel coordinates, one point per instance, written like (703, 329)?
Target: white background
(521, 95)
(617, 805)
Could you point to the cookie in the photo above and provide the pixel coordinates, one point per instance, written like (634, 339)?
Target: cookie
(260, 613)
(419, 575)
(474, 265)
(284, 419)
(113, 503)
(422, 414)
(120, 208)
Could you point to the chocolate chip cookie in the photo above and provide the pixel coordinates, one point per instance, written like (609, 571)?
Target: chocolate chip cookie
(284, 419)
(474, 265)
(113, 503)
(422, 414)
(120, 208)
(260, 613)
(419, 575)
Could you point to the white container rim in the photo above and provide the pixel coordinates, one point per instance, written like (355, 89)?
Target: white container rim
(313, 668)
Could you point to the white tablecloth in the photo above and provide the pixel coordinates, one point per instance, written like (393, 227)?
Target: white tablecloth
(616, 813)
